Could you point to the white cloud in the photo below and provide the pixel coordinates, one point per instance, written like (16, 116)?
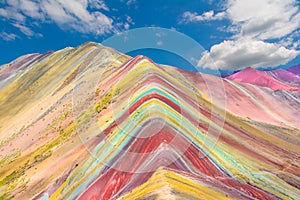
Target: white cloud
(11, 14)
(96, 4)
(260, 19)
(291, 41)
(27, 31)
(131, 2)
(128, 22)
(188, 17)
(77, 9)
(76, 16)
(8, 36)
(31, 9)
(232, 55)
(253, 24)
(159, 43)
(264, 19)
(55, 12)
(83, 16)
(126, 26)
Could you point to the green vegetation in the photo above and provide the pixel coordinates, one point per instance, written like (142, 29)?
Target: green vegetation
(16, 180)
(106, 100)
(10, 157)
(12, 137)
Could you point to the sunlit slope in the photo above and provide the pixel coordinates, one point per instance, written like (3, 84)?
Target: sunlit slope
(103, 126)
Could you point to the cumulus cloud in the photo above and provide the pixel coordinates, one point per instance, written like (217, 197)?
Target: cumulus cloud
(253, 24)
(264, 19)
(84, 16)
(232, 55)
(188, 17)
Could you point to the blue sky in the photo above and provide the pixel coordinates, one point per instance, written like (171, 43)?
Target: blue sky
(234, 33)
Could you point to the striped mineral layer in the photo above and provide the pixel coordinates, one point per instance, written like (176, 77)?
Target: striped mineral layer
(92, 123)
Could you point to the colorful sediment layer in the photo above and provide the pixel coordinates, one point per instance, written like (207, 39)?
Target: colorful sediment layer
(92, 123)
(276, 80)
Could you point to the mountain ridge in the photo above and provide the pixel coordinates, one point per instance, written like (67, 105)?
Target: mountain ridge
(260, 78)
(110, 123)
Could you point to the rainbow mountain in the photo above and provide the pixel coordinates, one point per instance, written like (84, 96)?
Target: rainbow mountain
(93, 123)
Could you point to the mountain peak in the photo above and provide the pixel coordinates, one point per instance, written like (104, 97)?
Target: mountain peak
(249, 69)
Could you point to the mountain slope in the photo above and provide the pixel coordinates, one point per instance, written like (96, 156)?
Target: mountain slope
(170, 184)
(295, 69)
(260, 78)
(285, 76)
(108, 127)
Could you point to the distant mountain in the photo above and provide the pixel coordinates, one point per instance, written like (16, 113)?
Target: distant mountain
(224, 75)
(262, 78)
(285, 76)
(295, 69)
(92, 123)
